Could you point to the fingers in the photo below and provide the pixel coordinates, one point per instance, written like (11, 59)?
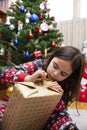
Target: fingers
(43, 74)
(57, 86)
(39, 74)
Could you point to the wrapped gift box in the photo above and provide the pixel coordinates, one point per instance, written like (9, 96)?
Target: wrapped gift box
(30, 106)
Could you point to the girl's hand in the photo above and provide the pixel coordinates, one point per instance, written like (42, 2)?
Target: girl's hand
(35, 76)
(56, 86)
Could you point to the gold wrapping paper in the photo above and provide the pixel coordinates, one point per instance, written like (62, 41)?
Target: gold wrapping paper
(30, 106)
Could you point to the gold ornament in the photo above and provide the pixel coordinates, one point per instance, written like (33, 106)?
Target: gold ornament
(45, 52)
(9, 91)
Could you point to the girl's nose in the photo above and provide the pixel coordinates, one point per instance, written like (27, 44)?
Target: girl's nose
(56, 73)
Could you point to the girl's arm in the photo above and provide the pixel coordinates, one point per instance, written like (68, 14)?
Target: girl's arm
(13, 74)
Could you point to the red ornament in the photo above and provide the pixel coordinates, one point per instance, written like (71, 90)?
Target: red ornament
(41, 16)
(30, 36)
(37, 54)
(39, 31)
(52, 19)
(44, 3)
(53, 44)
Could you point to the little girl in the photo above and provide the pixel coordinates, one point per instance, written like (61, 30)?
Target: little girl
(65, 68)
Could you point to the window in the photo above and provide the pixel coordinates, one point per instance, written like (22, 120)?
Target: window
(83, 8)
(61, 9)
(3, 3)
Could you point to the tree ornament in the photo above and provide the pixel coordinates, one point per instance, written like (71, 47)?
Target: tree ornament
(2, 51)
(53, 44)
(37, 54)
(39, 31)
(28, 14)
(34, 18)
(27, 54)
(44, 2)
(42, 6)
(44, 26)
(41, 16)
(62, 44)
(45, 52)
(12, 44)
(11, 27)
(52, 18)
(9, 91)
(47, 15)
(55, 24)
(20, 25)
(51, 27)
(22, 8)
(16, 42)
(30, 35)
(8, 21)
(27, 20)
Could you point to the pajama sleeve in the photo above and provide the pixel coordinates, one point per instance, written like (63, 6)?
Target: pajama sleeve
(13, 74)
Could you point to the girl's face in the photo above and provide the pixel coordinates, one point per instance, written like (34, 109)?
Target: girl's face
(59, 69)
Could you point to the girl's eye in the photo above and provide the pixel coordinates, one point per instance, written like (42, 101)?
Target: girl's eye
(63, 74)
(55, 66)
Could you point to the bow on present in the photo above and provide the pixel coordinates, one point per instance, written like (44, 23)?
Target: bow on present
(32, 87)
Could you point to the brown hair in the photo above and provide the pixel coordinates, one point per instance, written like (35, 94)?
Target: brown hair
(70, 85)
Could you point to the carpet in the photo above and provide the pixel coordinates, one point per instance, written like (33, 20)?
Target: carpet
(80, 120)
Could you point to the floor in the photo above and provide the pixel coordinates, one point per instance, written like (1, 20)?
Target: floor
(80, 105)
(79, 119)
(79, 116)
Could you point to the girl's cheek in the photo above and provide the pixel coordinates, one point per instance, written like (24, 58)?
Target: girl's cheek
(49, 69)
(59, 78)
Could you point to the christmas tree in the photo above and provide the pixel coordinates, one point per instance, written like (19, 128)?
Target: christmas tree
(29, 32)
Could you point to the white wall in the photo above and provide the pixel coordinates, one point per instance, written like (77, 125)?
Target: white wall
(75, 32)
